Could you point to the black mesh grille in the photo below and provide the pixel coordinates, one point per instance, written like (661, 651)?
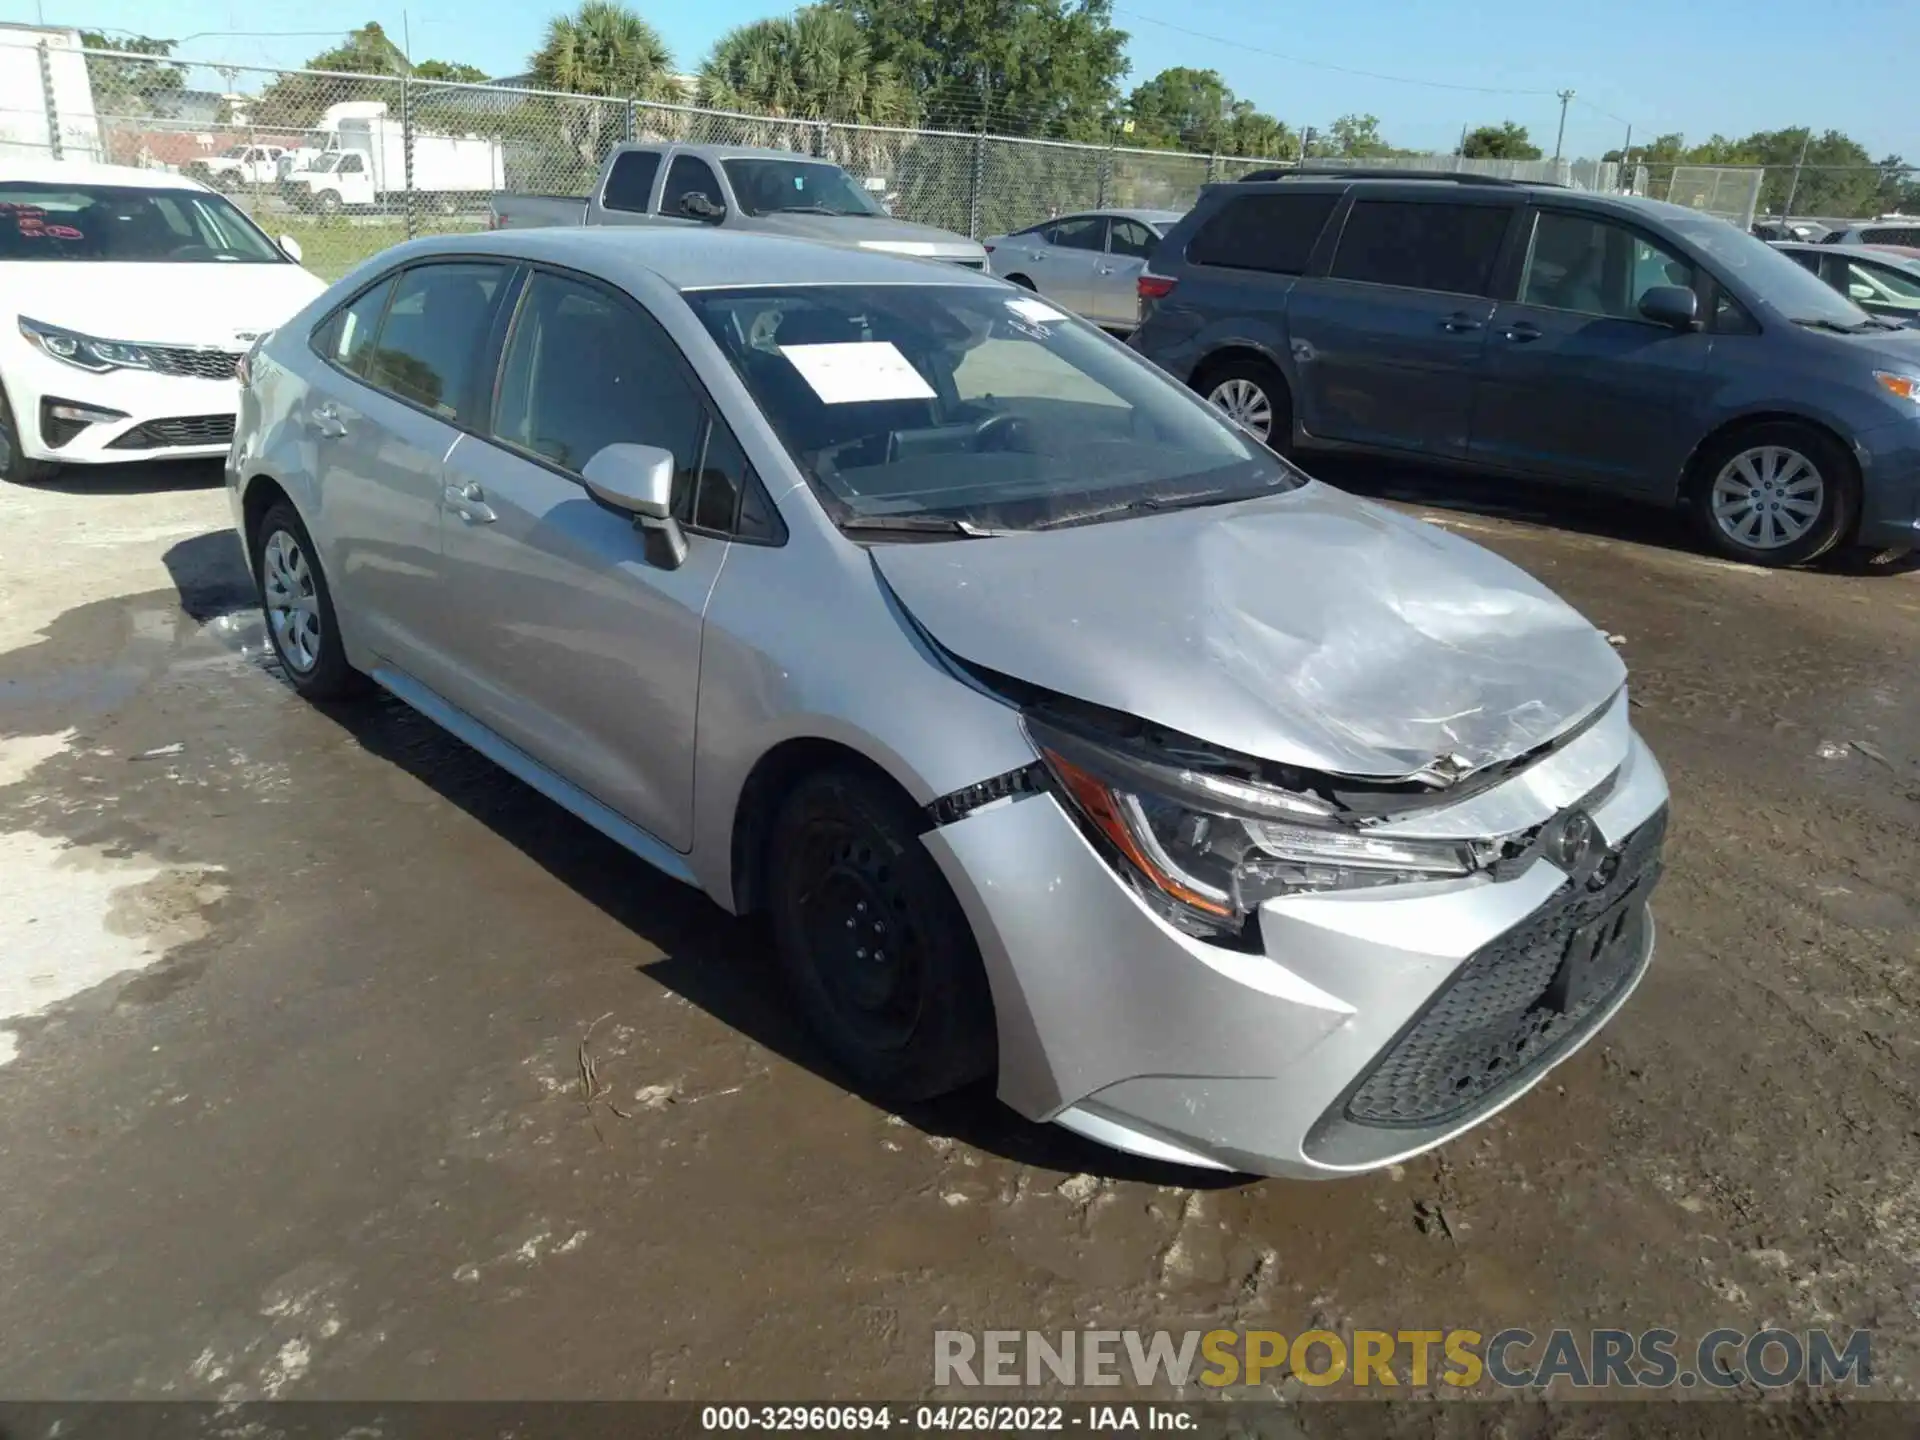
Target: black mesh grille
(1519, 1002)
(186, 430)
(198, 364)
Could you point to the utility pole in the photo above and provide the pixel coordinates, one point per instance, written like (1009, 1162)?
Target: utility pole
(1793, 186)
(1626, 163)
(1460, 150)
(1566, 98)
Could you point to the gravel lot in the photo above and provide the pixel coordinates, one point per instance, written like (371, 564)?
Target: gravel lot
(290, 1096)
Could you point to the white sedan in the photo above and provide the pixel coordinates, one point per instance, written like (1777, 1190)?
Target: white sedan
(127, 299)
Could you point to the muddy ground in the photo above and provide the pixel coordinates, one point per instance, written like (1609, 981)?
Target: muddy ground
(291, 1103)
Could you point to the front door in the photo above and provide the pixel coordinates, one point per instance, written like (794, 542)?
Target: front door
(571, 645)
(1577, 385)
(1386, 346)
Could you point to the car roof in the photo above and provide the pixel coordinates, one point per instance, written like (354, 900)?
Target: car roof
(1447, 185)
(698, 258)
(731, 152)
(36, 171)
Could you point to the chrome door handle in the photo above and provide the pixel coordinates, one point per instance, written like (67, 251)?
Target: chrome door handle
(1103, 269)
(1460, 322)
(1521, 332)
(326, 419)
(468, 502)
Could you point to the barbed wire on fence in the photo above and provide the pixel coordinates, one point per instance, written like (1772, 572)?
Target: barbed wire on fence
(348, 163)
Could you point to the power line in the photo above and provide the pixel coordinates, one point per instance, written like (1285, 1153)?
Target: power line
(1328, 65)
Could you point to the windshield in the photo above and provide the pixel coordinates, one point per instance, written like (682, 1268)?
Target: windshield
(764, 187)
(126, 224)
(968, 405)
(1795, 292)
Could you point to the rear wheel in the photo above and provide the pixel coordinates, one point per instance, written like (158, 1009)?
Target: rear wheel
(1254, 395)
(15, 465)
(1781, 493)
(875, 947)
(299, 608)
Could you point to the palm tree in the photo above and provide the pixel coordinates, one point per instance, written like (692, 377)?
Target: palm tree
(814, 65)
(604, 48)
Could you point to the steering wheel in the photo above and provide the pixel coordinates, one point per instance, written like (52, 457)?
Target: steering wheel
(999, 432)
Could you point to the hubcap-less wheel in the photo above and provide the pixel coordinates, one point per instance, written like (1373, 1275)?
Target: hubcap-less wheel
(857, 925)
(1245, 402)
(1767, 497)
(293, 609)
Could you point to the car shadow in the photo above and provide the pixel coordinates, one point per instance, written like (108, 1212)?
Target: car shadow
(719, 962)
(136, 477)
(1528, 502)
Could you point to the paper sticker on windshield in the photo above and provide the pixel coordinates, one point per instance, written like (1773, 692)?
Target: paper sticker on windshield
(849, 374)
(1036, 311)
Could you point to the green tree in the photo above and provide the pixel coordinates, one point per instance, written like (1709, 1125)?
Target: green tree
(1505, 141)
(813, 65)
(132, 87)
(604, 48)
(1354, 137)
(449, 71)
(296, 100)
(1032, 67)
(1182, 108)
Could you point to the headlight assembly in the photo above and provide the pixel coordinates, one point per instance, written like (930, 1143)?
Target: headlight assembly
(1210, 848)
(84, 352)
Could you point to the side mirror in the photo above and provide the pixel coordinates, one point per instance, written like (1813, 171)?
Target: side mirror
(699, 207)
(639, 480)
(290, 248)
(1674, 306)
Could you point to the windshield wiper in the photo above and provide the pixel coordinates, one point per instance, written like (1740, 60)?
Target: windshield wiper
(1144, 505)
(809, 210)
(1837, 328)
(917, 525)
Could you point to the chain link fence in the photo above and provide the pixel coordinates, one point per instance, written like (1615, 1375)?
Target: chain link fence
(347, 164)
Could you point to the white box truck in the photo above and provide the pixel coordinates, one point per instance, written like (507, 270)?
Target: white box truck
(363, 165)
(26, 127)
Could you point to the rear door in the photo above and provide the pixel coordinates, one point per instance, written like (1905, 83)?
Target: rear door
(1115, 299)
(1388, 342)
(400, 380)
(1577, 385)
(627, 196)
(571, 644)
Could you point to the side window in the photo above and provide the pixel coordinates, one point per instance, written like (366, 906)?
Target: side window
(1132, 239)
(1806, 259)
(1882, 284)
(1421, 245)
(435, 329)
(1082, 232)
(630, 182)
(1595, 267)
(350, 165)
(688, 175)
(584, 370)
(1275, 233)
(343, 337)
(1891, 235)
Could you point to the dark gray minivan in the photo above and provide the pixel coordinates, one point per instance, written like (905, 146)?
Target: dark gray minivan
(1601, 340)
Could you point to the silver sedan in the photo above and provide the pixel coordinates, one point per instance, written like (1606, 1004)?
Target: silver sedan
(1089, 263)
(1066, 737)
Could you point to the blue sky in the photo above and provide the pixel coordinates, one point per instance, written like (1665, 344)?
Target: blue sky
(1728, 65)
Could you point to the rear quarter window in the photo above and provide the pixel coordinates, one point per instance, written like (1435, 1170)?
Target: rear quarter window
(1273, 233)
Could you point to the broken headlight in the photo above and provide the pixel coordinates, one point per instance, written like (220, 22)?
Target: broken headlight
(1211, 847)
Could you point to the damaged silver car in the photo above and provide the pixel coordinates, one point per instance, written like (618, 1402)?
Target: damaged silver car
(1066, 737)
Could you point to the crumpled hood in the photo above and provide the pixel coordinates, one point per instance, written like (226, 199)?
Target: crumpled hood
(161, 303)
(1308, 628)
(870, 232)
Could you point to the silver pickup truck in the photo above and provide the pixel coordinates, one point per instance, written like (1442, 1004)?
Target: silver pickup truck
(774, 192)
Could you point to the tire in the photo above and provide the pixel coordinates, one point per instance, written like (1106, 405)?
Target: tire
(327, 202)
(1779, 493)
(16, 467)
(874, 946)
(1254, 394)
(298, 606)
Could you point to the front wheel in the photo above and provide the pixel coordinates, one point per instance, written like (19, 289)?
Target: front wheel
(1776, 494)
(16, 465)
(301, 623)
(875, 947)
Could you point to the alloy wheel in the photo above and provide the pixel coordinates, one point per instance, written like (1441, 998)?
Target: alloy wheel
(293, 607)
(1767, 497)
(1245, 403)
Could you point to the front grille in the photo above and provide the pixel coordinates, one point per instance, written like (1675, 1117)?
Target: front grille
(198, 364)
(186, 430)
(1510, 1010)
